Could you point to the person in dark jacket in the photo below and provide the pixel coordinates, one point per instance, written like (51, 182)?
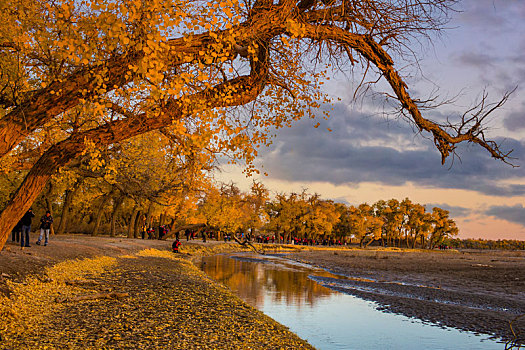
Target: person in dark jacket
(26, 228)
(162, 231)
(16, 232)
(45, 227)
(175, 246)
(151, 232)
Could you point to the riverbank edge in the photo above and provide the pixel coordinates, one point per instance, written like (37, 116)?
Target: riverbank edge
(510, 328)
(27, 288)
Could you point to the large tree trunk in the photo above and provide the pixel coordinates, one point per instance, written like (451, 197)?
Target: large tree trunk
(68, 200)
(132, 221)
(137, 224)
(415, 240)
(117, 203)
(171, 224)
(49, 204)
(149, 217)
(431, 241)
(98, 215)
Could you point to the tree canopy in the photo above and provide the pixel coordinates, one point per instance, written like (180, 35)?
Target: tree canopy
(77, 76)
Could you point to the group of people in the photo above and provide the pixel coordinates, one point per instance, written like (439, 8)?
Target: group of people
(23, 228)
(324, 241)
(190, 234)
(265, 239)
(162, 231)
(299, 241)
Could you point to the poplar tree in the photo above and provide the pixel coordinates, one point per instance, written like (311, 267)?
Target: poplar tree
(78, 73)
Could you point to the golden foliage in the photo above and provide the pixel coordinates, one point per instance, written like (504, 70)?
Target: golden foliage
(79, 77)
(18, 314)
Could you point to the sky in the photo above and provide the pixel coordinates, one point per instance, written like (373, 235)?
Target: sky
(370, 156)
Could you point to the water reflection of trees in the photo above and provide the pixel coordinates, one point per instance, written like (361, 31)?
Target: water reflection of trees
(254, 281)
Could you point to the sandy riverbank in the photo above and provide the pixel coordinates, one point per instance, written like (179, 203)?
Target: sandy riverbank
(480, 291)
(160, 300)
(171, 304)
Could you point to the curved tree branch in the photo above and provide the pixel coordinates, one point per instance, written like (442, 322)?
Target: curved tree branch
(63, 152)
(444, 140)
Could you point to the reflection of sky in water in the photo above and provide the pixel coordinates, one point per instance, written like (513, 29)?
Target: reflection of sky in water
(326, 318)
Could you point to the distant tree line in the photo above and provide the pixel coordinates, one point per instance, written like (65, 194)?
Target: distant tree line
(389, 223)
(164, 179)
(500, 244)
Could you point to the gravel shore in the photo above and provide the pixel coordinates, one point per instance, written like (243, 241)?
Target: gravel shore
(161, 300)
(125, 294)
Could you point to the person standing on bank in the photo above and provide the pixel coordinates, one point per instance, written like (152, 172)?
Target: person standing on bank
(26, 228)
(45, 227)
(16, 231)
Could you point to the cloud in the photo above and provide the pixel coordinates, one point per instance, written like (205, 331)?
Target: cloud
(491, 13)
(514, 213)
(455, 211)
(516, 119)
(481, 33)
(363, 148)
(367, 147)
(478, 60)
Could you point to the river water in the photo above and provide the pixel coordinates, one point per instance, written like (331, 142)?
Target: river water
(293, 294)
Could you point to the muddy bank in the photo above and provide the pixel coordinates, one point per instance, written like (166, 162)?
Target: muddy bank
(471, 290)
(163, 300)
